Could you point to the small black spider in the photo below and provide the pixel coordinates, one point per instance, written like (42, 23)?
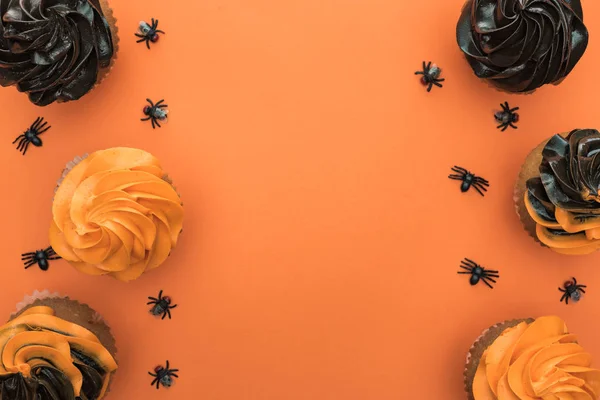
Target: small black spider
(162, 305)
(468, 179)
(507, 117)
(431, 74)
(31, 135)
(477, 273)
(155, 112)
(39, 257)
(572, 290)
(148, 33)
(163, 376)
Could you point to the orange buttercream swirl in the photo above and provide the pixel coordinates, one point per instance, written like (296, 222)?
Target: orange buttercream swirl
(541, 360)
(564, 201)
(45, 357)
(115, 213)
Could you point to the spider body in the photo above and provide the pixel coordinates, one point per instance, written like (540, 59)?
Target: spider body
(571, 290)
(431, 75)
(31, 135)
(507, 117)
(148, 32)
(155, 113)
(469, 180)
(161, 305)
(478, 273)
(39, 257)
(163, 376)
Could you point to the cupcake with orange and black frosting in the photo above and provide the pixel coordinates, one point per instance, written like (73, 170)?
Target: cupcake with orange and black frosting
(56, 50)
(54, 348)
(116, 213)
(557, 193)
(531, 359)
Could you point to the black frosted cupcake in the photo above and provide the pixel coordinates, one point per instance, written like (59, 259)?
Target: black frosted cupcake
(55, 50)
(520, 45)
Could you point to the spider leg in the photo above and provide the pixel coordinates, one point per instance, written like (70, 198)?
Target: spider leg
(157, 123)
(580, 286)
(437, 84)
(31, 253)
(159, 31)
(574, 281)
(159, 102)
(424, 67)
(154, 381)
(472, 262)
(154, 23)
(140, 36)
(564, 296)
(30, 263)
(173, 306)
(467, 268)
(175, 375)
(164, 314)
(477, 184)
(18, 137)
(153, 123)
(419, 73)
(152, 373)
(152, 298)
(157, 384)
(148, 43)
(428, 66)
(41, 126)
(25, 148)
(513, 126)
(169, 313)
(479, 191)
(456, 178)
(489, 278)
(512, 110)
(162, 106)
(54, 258)
(151, 302)
(160, 295)
(167, 365)
(482, 181)
(37, 120)
(21, 144)
(145, 119)
(486, 282)
(44, 130)
(141, 40)
(562, 290)
(581, 290)
(430, 86)
(567, 298)
(503, 126)
(492, 271)
(439, 80)
(464, 273)
(460, 169)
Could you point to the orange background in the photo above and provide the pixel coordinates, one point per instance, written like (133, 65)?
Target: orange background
(322, 236)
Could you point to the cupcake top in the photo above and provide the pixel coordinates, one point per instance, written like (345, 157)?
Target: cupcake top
(44, 357)
(53, 49)
(564, 200)
(116, 213)
(520, 45)
(537, 360)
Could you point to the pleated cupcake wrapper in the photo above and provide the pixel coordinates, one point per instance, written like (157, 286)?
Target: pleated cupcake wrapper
(94, 322)
(475, 353)
(114, 31)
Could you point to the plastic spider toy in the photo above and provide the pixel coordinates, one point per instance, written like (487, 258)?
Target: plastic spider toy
(478, 273)
(163, 376)
(571, 290)
(39, 257)
(431, 74)
(468, 179)
(162, 305)
(155, 112)
(148, 33)
(31, 135)
(507, 117)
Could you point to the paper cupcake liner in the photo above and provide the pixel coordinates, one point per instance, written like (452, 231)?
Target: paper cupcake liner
(75, 312)
(114, 32)
(475, 353)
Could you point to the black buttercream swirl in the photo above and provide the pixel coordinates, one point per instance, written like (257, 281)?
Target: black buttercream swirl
(569, 176)
(520, 45)
(50, 384)
(53, 49)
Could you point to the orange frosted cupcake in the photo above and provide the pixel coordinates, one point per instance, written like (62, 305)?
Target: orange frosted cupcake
(557, 194)
(55, 348)
(530, 359)
(115, 213)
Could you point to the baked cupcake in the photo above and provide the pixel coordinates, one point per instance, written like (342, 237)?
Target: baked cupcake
(557, 195)
(115, 213)
(55, 50)
(530, 359)
(54, 348)
(520, 45)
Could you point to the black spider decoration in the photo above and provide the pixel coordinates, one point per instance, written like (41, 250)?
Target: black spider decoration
(148, 32)
(163, 376)
(39, 257)
(571, 290)
(507, 117)
(431, 74)
(155, 112)
(478, 273)
(31, 135)
(469, 179)
(162, 305)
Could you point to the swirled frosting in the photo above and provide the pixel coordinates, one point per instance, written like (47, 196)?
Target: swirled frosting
(540, 360)
(44, 357)
(564, 200)
(520, 45)
(114, 213)
(53, 49)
